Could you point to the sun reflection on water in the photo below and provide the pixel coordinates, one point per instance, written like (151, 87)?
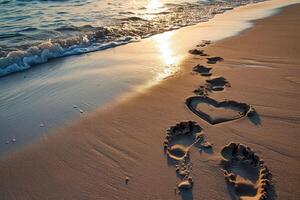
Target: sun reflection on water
(167, 56)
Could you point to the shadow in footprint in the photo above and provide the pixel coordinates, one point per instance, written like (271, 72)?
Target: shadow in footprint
(214, 60)
(207, 150)
(187, 195)
(212, 85)
(197, 52)
(180, 138)
(204, 43)
(218, 83)
(246, 174)
(215, 112)
(255, 118)
(202, 70)
(203, 90)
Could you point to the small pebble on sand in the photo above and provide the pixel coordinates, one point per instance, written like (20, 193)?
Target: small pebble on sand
(14, 140)
(7, 142)
(126, 179)
(75, 106)
(42, 125)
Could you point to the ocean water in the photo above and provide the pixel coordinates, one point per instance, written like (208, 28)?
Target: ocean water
(35, 31)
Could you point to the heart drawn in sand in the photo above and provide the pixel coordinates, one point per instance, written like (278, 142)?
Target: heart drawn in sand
(215, 112)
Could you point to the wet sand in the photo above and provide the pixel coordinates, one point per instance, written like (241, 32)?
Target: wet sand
(68, 89)
(90, 159)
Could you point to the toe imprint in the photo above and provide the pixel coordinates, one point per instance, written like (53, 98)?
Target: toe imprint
(245, 173)
(179, 139)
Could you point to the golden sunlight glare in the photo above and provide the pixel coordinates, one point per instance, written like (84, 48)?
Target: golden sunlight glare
(153, 5)
(170, 61)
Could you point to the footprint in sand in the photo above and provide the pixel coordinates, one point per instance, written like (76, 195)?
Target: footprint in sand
(215, 112)
(203, 90)
(198, 52)
(202, 70)
(212, 85)
(214, 60)
(218, 83)
(204, 43)
(246, 174)
(179, 139)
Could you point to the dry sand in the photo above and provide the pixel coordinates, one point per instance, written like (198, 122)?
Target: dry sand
(91, 159)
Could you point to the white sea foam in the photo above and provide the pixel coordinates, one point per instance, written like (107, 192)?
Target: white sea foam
(17, 55)
(20, 60)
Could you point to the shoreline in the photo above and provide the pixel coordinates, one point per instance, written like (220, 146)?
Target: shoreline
(90, 159)
(55, 48)
(68, 89)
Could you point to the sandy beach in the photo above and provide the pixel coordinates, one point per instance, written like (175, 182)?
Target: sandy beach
(117, 152)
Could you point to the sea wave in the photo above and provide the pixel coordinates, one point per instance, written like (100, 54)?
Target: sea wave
(67, 40)
(20, 60)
